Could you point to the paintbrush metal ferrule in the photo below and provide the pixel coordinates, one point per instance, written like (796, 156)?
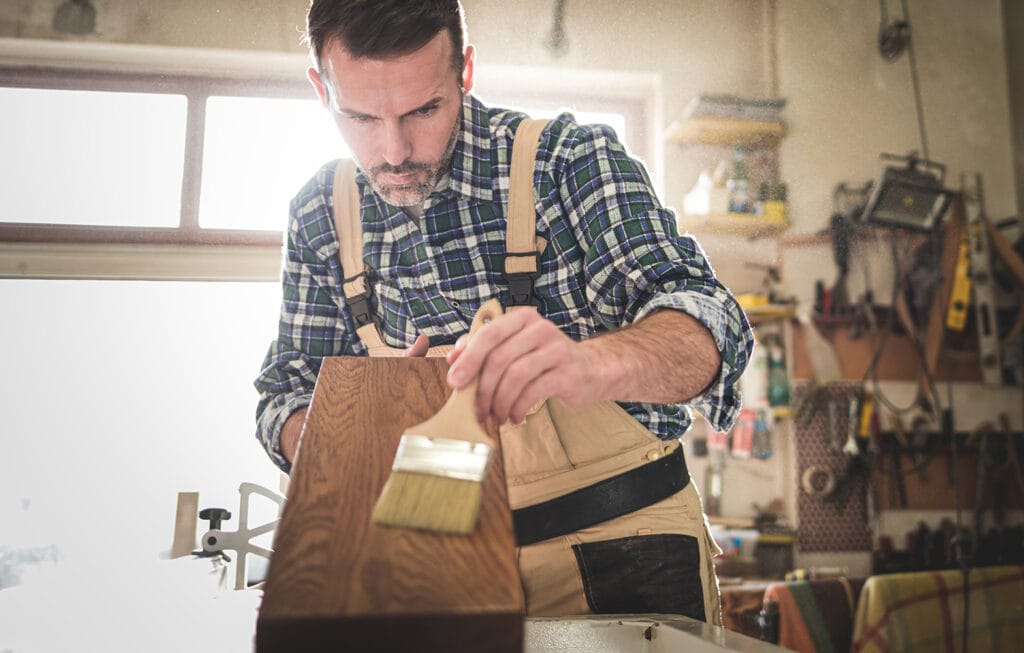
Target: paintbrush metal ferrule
(443, 457)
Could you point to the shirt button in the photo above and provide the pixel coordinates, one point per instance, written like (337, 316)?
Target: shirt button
(454, 303)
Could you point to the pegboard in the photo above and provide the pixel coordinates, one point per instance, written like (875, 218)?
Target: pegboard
(837, 520)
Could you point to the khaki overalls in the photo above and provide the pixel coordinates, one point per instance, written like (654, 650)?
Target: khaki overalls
(563, 468)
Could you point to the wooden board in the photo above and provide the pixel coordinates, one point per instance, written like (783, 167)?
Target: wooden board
(336, 581)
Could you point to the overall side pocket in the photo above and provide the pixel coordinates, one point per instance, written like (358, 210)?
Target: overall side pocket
(643, 574)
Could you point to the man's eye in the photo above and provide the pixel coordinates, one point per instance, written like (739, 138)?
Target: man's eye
(425, 111)
(361, 119)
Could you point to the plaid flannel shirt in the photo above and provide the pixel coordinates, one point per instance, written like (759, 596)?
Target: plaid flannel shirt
(613, 256)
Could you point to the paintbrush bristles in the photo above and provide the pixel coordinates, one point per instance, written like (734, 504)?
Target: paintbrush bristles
(429, 502)
(432, 497)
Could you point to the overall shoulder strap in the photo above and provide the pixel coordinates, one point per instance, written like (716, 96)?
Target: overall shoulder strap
(348, 223)
(522, 247)
(350, 228)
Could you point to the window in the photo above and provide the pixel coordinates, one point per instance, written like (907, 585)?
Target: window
(157, 171)
(256, 153)
(69, 154)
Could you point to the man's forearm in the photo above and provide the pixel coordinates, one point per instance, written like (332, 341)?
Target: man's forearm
(667, 357)
(290, 433)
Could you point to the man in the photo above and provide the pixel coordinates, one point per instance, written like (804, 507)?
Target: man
(627, 309)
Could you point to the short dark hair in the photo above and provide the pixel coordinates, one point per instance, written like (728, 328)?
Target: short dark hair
(380, 29)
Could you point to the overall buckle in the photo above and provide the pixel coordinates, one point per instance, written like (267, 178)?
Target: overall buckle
(521, 284)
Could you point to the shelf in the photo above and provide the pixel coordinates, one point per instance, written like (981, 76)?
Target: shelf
(737, 224)
(725, 131)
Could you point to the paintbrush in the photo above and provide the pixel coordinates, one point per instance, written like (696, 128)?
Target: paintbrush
(436, 482)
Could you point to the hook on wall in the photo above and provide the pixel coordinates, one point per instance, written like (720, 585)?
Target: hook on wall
(75, 17)
(893, 36)
(557, 42)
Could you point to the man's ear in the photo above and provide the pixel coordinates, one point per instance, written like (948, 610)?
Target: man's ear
(468, 58)
(314, 77)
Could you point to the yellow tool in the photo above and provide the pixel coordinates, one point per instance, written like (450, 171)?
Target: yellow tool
(867, 409)
(960, 295)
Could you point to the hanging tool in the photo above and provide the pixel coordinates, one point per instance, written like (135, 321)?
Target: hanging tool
(918, 444)
(960, 297)
(981, 280)
(979, 493)
(833, 426)
(897, 484)
(1011, 451)
(852, 424)
(865, 423)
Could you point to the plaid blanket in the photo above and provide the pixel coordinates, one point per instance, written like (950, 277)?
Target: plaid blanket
(923, 611)
(815, 616)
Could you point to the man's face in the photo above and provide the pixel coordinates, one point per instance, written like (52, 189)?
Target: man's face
(399, 116)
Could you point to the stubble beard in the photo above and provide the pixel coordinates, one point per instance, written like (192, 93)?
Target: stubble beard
(415, 193)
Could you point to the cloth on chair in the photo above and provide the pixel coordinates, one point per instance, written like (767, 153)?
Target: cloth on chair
(741, 605)
(923, 611)
(815, 616)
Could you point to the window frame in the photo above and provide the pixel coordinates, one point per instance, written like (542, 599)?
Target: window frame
(191, 252)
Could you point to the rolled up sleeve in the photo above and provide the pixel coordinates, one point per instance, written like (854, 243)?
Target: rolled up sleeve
(314, 320)
(637, 262)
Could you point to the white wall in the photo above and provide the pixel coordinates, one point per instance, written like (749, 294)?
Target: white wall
(1013, 17)
(847, 104)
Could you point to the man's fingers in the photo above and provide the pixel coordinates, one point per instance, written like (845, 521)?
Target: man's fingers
(453, 355)
(537, 391)
(510, 366)
(476, 350)
(419, 348)
(523, 380)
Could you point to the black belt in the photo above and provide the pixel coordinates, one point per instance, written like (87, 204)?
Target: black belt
(607, 499)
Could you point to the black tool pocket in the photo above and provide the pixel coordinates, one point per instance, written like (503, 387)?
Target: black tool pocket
(643, 574)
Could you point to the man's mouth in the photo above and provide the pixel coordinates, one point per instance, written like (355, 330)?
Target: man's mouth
(399, 179)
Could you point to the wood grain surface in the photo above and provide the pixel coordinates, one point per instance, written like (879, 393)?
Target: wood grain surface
(338, 582)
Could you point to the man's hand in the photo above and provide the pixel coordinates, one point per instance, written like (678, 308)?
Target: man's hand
(522, 359)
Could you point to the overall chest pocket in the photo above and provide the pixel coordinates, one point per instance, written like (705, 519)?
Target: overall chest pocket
(468, 275)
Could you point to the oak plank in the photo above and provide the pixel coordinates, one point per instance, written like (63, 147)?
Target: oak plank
(338, 582)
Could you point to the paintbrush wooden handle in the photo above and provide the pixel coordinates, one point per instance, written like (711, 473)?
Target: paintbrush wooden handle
(463, 400)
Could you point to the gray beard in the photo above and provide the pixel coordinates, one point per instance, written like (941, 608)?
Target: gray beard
(415, 194)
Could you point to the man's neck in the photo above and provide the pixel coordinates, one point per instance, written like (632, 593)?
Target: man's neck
(415, 211)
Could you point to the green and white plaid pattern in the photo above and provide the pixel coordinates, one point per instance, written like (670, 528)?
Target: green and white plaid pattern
(613, 255)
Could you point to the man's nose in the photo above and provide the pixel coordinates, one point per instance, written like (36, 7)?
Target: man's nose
(397, 146)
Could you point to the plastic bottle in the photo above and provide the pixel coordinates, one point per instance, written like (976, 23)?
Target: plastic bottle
(713, 484)
(738, 185)
(754, 381)
(778, 380)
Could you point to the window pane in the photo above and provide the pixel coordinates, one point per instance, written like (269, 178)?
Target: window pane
(91, 157)
(614, 120)
(257, 153)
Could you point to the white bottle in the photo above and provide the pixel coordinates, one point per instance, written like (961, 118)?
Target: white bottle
(754, 380)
